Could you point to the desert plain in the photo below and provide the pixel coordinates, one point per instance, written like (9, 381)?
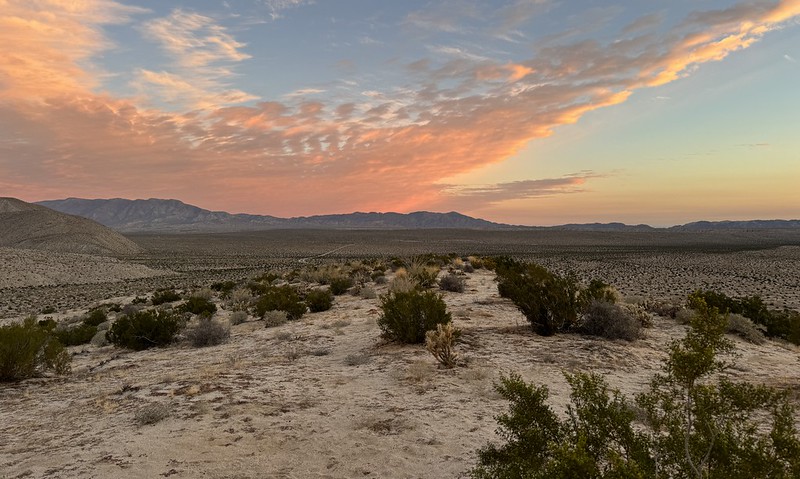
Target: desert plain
(326, 396)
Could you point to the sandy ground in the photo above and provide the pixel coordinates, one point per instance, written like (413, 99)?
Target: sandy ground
(322, 397)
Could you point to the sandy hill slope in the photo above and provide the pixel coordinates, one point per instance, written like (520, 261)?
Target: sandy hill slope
(25, 225)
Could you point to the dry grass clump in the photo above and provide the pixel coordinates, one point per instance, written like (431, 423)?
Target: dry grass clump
(274, 318)
(610, 321)
(238, 317)
(239, 299)
(203, 293)
(208, 332)
(402, 284)
(440, 344)
(357, 359)
(151, 414)
(453, 282)
(743, 327)
(367, 293)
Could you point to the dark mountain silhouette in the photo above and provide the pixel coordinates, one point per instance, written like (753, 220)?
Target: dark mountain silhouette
(156, 215)
(26, 225)
(739, 225)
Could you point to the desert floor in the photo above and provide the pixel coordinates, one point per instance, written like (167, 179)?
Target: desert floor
(325, 396)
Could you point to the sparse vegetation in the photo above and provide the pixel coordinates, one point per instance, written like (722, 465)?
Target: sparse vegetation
(441, 343)
(151, 414)
(28, 350)
(164, 296)
(280, 298)
(319, 300)
(694, 425)
(207, 332)
(199, 305)
(274, 318)
(145, 329)
(238, 317)
(407, 316)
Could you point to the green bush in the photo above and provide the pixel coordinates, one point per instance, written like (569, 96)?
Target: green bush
(692, 422)
(28, 350)
(408, 315)
(96, 317)
(198, 305)
(340, 284)
(280, 298)
(145, 329)
(165, 296)
(75, 336)
(319, 300)
(597, 290)
(548, 301)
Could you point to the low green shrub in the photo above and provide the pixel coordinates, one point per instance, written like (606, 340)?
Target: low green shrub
(407, 316)
(340, 284)
(165, 296)
(319, 300)
(96, 317)
(280, 298)
(28, 350)
(75, 336)
(198, 305)
(145, 329)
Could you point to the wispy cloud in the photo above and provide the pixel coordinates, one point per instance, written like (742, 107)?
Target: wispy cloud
(203, 53)
(789, 58)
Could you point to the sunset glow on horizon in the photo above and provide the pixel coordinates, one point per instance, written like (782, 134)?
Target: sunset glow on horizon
(531, 112)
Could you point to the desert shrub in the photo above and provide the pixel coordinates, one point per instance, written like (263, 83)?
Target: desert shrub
(198, 305)
(665, 309)
(96, 317)
(239, 299)
(638, 312)
(139, 300)
(340, 284)
(402, 284)
(164, 296)
(440, 344)
(274, 318)
(423, 273)
(684, 316)
(28, 350)
(693, 422)
(151, 414)
(468, 268)
(208, 332)
(744, 328)
(453, 282)
(238, 317)
(280, 298)
(75, 336)
(548, 301)
(224, 287)
(145, 329)
(407, 316)
(367, 293)
(47, 323)
(319, 300)
(597, 290)
(357, 359)
(608, 320)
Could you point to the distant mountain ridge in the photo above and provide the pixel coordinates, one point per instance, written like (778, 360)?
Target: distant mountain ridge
(30, 226)
(173, 216)
(157, 215)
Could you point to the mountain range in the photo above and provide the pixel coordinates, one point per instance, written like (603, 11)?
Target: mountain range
(173, 216)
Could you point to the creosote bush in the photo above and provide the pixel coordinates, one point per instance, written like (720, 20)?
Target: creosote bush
(453, 282)
(75, 336)
(164, 296)
(207, 332)
(693, 422)
(145, 329)
(28, 350)
(199, 305)
(96, 317)
(319, 300)
(280, 298)
(407, 316)
(340, 284)
(441, 343)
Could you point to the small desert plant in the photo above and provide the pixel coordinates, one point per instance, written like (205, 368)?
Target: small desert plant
(238, 317)
(608, 320)
(139, 300)
(407, 316)
(199, 305)
(357, 359)
(208, 332)
(145, 329)
(319, 300)
(597, 290)
(151, 414)
(164, 296)
(452, 282)
(402, 284)
(75, 336)
(423, 274)
(204, 293)
(743, 327)
(665, 309)
(274, 318)
(239, 299)
(340, 284)
(96, 317)
(367, 293)
(28, 350)
(440, 344)
(280, 298)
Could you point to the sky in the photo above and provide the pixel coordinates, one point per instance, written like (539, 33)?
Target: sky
(532, 112)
